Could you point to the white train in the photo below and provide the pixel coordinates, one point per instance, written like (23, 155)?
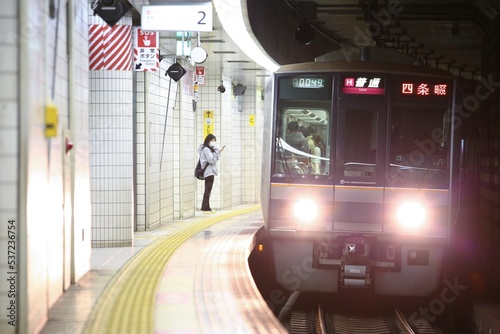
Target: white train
(363, 193)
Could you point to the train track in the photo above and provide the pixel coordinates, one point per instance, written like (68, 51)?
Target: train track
(327, 322)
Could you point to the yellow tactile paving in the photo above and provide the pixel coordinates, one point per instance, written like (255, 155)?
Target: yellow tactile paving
(126, 305)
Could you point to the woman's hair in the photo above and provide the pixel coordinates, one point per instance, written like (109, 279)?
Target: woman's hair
(207, 141)
(304, 131)
(316, 138)
(312, 130)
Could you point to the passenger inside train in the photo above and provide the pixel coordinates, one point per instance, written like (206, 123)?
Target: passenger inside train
(296, 138)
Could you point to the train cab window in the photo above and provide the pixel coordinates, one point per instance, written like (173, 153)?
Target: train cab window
(302, 126)
(419, 152)
(302, 140)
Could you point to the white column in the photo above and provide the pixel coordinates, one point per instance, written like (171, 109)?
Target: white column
(111, 143)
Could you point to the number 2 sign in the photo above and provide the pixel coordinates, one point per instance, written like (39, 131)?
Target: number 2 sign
(187, 16)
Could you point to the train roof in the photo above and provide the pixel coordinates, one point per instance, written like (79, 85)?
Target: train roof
(363, 66)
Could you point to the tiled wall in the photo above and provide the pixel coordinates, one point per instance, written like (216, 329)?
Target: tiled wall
(165, 189)
(184, 144)
(36, 176)
(239, 178)
(80, 136)
(253, 135)
(8, 143)
(141, 152)
(111, 154)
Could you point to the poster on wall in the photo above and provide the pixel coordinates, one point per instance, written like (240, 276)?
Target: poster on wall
(208, 122)
(199, 77)
(146, 51)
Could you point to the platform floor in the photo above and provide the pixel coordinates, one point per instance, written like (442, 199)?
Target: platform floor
(190, 276)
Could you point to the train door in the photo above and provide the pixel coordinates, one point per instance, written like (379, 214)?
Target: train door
(359, 164)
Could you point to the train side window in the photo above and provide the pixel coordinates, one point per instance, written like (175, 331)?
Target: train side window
(419, 152)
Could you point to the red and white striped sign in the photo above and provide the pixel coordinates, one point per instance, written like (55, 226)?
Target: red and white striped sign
(110, 48)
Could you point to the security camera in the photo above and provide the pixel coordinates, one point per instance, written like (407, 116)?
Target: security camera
(239, 90)
(221, 89)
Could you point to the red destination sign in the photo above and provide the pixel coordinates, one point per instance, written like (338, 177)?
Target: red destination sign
(363, 85)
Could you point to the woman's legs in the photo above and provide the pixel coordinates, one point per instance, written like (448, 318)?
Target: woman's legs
(209, 182)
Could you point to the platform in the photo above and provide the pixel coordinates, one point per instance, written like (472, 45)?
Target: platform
(191, 276)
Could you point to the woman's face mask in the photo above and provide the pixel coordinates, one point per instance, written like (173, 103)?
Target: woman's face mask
(212, 144)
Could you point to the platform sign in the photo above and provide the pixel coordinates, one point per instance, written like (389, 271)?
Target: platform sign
(208, 122)
(251, 120)
(146, 51)
(181, 16)
(199, 76)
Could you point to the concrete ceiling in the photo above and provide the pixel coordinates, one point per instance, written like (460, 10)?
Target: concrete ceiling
(445, 34)
(440, 33)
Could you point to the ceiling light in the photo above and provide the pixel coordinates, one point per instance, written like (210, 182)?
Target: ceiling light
(224, 52)
(252, 69)
(237, 61)
(212, 41)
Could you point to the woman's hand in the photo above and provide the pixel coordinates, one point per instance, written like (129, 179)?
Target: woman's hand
(222, 149)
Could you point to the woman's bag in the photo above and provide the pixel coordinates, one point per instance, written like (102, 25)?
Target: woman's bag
(199, 172)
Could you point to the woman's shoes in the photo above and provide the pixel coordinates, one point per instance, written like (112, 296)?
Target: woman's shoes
(209, 212)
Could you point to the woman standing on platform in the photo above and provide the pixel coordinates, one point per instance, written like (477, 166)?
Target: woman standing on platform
(209, 154)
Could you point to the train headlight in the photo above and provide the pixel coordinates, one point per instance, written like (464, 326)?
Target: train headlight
(411, 215)
(305, 210)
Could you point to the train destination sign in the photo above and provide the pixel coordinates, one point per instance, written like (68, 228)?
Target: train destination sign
(366, 85)
(423, 88)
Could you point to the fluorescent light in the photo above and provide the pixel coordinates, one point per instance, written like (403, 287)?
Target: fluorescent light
(230, 13)
(212, 41)
(224, 52)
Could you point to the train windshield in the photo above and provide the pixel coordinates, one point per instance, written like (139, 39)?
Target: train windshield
(419, 145)
(302, 130)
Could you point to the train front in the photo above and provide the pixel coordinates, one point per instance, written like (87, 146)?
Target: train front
(358, 191)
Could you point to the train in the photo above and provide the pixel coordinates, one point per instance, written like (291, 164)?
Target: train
(361, 162)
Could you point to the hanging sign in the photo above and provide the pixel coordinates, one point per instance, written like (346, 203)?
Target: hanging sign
(146, 51)
(199, 77)
(181, 16)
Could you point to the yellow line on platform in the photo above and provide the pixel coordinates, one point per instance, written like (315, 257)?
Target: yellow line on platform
(127, 303)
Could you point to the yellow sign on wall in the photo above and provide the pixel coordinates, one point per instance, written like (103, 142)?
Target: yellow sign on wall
(208, 122)
(251, 120)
